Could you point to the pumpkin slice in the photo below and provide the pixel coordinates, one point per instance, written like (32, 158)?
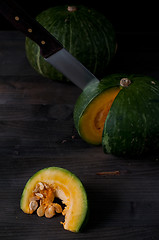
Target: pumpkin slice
(50, 183)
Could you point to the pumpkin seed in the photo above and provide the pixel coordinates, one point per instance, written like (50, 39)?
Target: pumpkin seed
(33, 205)
(34, 198)
(46, 185)
(36, 189)
(41, 211)
(40, 195)
(57, 207)
(50, 211)
(41, 186)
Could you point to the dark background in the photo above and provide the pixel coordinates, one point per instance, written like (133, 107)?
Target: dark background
(135, 22)
(126, 16)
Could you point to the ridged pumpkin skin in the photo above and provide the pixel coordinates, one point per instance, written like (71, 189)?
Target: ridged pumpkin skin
(68, 188)
(84, 32)
(131, 126)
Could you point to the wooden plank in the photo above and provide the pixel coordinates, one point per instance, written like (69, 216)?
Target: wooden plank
(13, 59)
(36, 90)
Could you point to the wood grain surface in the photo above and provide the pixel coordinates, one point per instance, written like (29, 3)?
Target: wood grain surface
(37, 131)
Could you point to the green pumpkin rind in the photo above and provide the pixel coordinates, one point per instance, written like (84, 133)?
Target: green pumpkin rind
(132, 127)
(85, 33)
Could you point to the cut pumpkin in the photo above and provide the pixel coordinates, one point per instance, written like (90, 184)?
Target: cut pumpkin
(121, 112)
(41, 189)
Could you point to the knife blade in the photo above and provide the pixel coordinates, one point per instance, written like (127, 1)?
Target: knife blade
(50, 48)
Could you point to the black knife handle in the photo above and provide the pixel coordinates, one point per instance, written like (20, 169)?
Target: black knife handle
(30, 27)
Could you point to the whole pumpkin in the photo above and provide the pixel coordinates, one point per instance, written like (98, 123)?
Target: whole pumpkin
(84, 32)
(121, 113)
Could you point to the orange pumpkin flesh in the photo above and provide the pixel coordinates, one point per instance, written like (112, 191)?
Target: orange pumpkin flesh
(92, 121)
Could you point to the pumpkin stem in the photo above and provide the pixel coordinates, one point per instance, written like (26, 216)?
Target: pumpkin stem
(72, 8)
(125, 82)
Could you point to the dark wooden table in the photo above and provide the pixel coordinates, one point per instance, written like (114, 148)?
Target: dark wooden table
(37, 131)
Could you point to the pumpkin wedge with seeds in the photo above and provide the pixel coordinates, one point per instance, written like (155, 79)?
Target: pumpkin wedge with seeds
(50, 183)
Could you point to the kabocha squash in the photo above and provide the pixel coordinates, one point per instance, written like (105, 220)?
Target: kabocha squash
(84, 32)
(121, 113)
(48, 183)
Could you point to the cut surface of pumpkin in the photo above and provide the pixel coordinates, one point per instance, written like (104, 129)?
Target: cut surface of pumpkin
(50, 183)
(92, 121)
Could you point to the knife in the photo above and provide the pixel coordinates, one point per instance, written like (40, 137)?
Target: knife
(50, 48)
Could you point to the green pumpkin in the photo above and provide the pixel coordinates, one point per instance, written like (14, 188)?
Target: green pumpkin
(121, 113)
(84, 32)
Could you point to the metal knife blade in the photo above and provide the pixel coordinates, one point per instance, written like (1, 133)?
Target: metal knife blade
(71, 68)
(50, 48)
